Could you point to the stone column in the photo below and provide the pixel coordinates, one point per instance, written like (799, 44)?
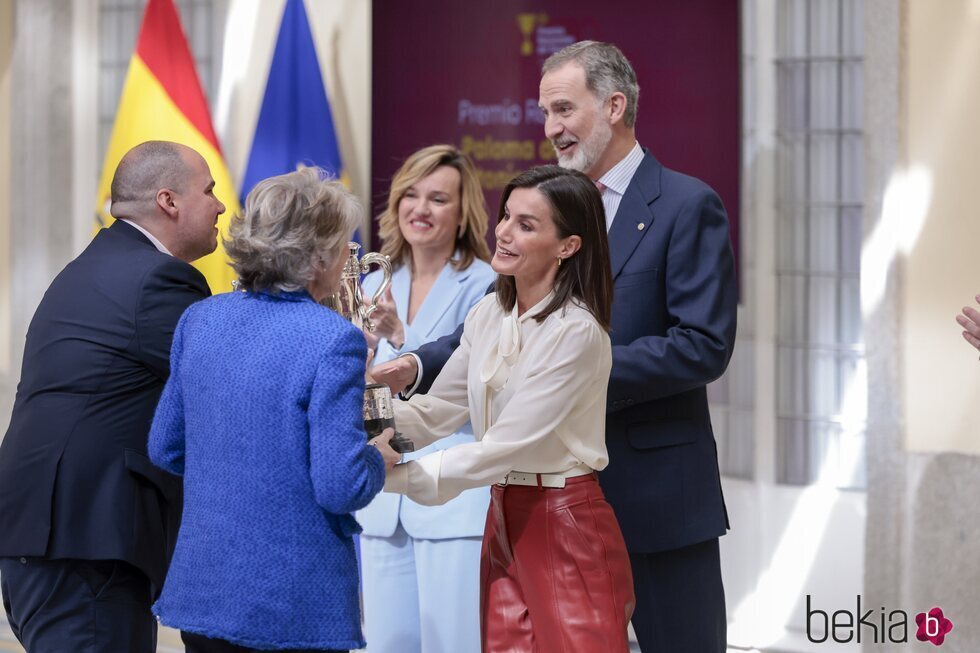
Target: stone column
(884, 546)
(6, 56)
(40, 241)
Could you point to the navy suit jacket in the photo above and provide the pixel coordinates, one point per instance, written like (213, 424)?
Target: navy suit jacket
(673, 332)
(75, 480)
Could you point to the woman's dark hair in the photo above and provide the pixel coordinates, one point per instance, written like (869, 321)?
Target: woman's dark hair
(576, 210)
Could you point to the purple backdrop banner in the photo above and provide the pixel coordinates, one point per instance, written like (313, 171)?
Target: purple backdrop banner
(467, 73)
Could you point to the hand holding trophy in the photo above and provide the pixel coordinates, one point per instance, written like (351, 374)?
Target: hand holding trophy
(379, 412)
(391, 457)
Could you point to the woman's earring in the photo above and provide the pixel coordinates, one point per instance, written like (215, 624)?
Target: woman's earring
(559, 261)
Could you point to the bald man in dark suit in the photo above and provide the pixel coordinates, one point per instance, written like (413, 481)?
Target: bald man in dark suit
(87, 523)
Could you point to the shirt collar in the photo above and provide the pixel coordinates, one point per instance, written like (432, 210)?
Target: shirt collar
(153, 239)
(301, 295)
(504, 354)
(534, 310)
(618, 178)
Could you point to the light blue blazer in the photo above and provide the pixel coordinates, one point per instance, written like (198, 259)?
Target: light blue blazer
(444, 308)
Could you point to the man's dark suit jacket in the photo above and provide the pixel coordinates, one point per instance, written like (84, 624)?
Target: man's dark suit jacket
(75, 480)
(673, 332)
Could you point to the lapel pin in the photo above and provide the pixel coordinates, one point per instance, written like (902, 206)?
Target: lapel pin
(640, 226)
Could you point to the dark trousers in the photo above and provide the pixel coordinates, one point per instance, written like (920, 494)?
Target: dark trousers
(200, 644)
(680, 600)
(83, 606)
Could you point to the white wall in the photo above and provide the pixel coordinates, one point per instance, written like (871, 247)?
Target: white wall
(938, 222)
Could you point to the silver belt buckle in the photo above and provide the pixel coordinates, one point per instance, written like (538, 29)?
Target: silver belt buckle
(531, 480)
(553, 480)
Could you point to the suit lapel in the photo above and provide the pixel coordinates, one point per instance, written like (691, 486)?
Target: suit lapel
(634, 217)
(401, 285)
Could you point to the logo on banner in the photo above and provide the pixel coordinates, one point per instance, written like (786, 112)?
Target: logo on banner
(876, 626)
(539, 37)
(526, 23)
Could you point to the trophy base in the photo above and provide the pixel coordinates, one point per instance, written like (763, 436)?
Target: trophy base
(401, 444)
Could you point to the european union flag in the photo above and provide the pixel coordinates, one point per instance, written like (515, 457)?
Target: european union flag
(295, 124)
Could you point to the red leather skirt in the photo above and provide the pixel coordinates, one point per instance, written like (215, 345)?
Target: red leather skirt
(555, 575)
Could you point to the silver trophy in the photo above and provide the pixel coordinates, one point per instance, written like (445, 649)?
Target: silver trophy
(348, 300)
(379, 414)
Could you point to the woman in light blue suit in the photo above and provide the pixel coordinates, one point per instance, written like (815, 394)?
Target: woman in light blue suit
(421, 565)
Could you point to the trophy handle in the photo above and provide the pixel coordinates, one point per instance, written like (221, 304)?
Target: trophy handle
(385, 263)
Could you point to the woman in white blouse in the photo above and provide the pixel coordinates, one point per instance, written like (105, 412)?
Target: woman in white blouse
(530, 374)
(425, 559)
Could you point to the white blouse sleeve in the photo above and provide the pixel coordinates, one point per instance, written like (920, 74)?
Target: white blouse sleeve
(566, 375)
(445, 407)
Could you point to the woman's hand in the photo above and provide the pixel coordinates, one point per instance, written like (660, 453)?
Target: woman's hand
(372, 341)
(391, 456)
(386, 322)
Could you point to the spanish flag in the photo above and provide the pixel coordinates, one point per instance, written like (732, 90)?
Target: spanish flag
(162, 99)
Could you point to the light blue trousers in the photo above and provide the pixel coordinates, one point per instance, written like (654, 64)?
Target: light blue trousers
(421, 596)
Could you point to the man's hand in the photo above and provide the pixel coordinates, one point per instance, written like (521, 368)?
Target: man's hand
(970, 321)
(391, 456)
(397, 374)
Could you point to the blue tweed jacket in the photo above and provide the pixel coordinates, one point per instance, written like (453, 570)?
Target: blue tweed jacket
(262, 417)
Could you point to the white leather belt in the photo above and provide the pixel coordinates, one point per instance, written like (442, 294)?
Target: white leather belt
(556, 480)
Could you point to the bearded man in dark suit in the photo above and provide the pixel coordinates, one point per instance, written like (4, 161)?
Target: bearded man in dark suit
(673, 332)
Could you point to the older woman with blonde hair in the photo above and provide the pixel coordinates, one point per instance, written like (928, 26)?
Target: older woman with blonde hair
(421, 564)
(262, 416)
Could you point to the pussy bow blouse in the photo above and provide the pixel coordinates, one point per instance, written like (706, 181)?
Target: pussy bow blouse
(534, 392)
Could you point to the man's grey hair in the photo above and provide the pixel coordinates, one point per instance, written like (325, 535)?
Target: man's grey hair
(146, 169)
(606, 71)
(289, 221)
